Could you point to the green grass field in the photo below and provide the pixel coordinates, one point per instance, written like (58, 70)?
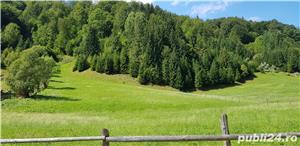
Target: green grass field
(81, 104)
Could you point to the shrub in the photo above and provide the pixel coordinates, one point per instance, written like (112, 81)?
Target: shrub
(30, 73)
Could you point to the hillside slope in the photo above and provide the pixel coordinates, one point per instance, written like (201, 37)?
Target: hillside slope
(81, 104)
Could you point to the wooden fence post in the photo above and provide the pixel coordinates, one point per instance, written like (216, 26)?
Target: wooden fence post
(224, 128)
(105, 133)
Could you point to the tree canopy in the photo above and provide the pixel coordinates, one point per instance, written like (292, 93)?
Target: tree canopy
(151, 44)
(30, 72)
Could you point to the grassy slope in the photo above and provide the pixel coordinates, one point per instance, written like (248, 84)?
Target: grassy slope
(78, 104)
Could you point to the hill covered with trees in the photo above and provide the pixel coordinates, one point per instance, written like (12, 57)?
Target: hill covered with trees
(149, 43)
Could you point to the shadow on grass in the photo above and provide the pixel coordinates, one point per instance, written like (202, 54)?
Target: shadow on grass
(61, 88)
(56, 81)
(56, 75)
(6, 95)
(249, 78)
(222, 86)
(46, 97)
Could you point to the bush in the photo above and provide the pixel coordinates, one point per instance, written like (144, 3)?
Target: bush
(30, 73)
(264, 67)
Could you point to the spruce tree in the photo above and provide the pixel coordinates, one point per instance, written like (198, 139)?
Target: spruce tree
(108, 63)
(237, 76)
(166, 70)
(81, 63)
(230, 76)
(124, 61)
(116, 62)
(100, 64)
(214, 73)
(93, 62)
(179, 81)
(143, 76)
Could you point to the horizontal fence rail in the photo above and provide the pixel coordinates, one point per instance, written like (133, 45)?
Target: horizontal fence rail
(106, 139)
(145, 138)
(54, 139)
(190, 137)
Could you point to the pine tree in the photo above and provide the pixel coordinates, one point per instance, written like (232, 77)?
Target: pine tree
(237, 76)
(179, 82)
(230, 75)
(187, 73)
(94, 62)
(108, 63)
(173, 64)
(81, 63)
(198, 78)
(166, 70)
(214, 73)
(143, 76)
(100, 64)
(134, 67)
(116, 62)
(166, 65)
(124, 61)
(20, 44)
(155, 75)
(223, 75)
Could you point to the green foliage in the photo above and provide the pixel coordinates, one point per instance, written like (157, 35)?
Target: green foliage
(213, 73)
(237, 76)
(166, 65)
(244, 70)
(89, 44)
(122, 11)
(10, 12)
(100, 64)
(8, 56)
(134, 67)
(116, 62)
(30, 73)
(94, 62)
(200, 75)
(81, 63)
(147, 42)
(108, 63)
(143, 75)
(135, 33)
(230, 76)
(45, 35)
(11, 35)
(63, 36)
(101, 22)
(124, 61)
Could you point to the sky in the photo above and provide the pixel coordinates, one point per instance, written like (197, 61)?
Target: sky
(287, 12)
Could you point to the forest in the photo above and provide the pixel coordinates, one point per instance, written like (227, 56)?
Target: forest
(145, 41)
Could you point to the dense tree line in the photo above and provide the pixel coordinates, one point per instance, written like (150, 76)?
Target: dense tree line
(149, 43)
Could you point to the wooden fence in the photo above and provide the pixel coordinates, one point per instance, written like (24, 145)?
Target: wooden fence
(106, 139)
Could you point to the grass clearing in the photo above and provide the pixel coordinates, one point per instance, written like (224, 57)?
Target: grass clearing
(81, 104)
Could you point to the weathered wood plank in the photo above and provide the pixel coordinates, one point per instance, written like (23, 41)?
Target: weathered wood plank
(225, 129)
(145, 138)
(190, 137)
(169, 138)
(105, 133)
(54, 139)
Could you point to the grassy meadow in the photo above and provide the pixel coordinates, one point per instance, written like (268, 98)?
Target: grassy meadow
(81, 104)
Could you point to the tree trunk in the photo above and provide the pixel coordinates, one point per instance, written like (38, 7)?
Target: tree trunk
(22, 94)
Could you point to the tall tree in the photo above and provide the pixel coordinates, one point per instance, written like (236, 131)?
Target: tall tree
(11, 35)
